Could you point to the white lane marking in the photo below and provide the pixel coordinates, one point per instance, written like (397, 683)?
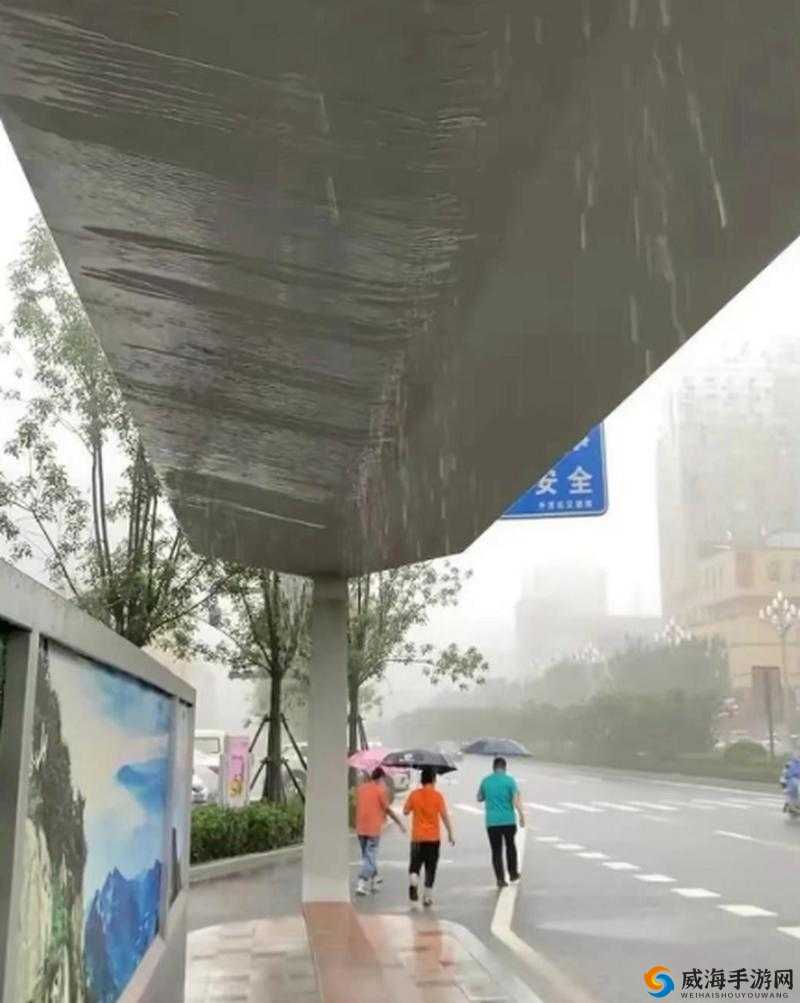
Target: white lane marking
(791, 931)
(620, 865)
(747, 911)
(545, 807)
(532, 959)
(569, 847)
(594, 855)
(722, 804)
(707, 787)
(619, 807)
(655, 879)
(691, 804)
(695, 893)
(470, 808)
(653, 806)
(582, 807)
(548, 839)
(792, 847)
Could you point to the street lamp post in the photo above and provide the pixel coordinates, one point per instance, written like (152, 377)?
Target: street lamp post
(673, 634)
(590, 654)
(782, 615)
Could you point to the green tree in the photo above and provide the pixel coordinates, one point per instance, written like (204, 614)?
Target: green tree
(568, 681)
(263, 621)
(384, 608)
(115, 549)
(695, 666)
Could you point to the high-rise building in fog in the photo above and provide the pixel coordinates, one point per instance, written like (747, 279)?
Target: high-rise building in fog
(728, 480)
(562, 608)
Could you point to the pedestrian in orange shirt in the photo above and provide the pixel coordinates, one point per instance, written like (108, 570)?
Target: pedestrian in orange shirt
(372, 809)
(429, 808)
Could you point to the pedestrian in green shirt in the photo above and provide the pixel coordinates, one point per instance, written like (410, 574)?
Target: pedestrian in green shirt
(500, 795)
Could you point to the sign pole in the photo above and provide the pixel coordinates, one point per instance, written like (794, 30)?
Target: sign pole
(770, 722)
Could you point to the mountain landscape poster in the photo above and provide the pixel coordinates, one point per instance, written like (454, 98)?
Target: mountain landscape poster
(95, 832)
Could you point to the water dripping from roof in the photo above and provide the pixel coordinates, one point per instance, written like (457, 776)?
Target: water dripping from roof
(723, 213)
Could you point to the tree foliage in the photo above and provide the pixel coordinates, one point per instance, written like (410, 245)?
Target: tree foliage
(115, 548)
(695, 666)
(568, 681)
(384, 608)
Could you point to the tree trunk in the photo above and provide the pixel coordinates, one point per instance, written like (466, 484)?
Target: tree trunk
(273, 782)
(352, 727)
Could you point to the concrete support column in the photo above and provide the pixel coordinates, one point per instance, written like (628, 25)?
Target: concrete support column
(325, 853)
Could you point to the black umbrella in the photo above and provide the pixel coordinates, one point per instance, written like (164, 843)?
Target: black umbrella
(419, 759)
(496, 747)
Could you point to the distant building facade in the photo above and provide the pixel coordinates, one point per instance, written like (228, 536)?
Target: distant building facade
(728, 481)
(734, 584)
(562, 609)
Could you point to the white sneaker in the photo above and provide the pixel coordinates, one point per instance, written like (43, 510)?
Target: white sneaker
(427, 899)
(376, 883)
(361, 889)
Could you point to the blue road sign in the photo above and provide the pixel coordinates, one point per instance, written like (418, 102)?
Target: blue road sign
(575, 486)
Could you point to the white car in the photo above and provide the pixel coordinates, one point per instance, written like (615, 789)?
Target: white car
(199, 791)
(208, 745)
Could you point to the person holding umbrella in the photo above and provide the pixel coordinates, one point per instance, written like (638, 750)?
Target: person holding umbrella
(500, 795)
(429, 809)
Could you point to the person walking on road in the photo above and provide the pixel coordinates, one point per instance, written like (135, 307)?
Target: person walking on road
(372, 810)
(429, 810)
(500, 795)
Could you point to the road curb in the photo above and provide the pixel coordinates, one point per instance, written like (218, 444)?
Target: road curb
(517, 989)
(240, 865)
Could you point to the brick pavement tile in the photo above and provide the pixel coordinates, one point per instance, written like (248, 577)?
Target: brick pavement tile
(443, 994)
(484, 992)
(360, 959)
(470, 971)
(436, 979)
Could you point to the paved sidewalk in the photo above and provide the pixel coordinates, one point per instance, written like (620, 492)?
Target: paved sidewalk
(340, 956)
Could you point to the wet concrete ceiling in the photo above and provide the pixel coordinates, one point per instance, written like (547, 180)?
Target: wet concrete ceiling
(366, 268)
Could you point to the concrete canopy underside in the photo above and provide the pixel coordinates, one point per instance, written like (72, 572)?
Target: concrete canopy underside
(366, 269)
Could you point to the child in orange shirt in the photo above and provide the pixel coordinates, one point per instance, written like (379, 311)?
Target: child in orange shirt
(428, 807)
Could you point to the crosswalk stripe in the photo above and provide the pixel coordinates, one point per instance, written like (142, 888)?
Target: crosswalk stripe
(791, 931)
(746, 911)
(582, 807)
(695, 893)
(569, 847)
(620, 865)
(653, 806)
(723, 804)
(470, 808)
(655, 879)
(545, 807)
(548, 839)
(594, 855)
(619, 807)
